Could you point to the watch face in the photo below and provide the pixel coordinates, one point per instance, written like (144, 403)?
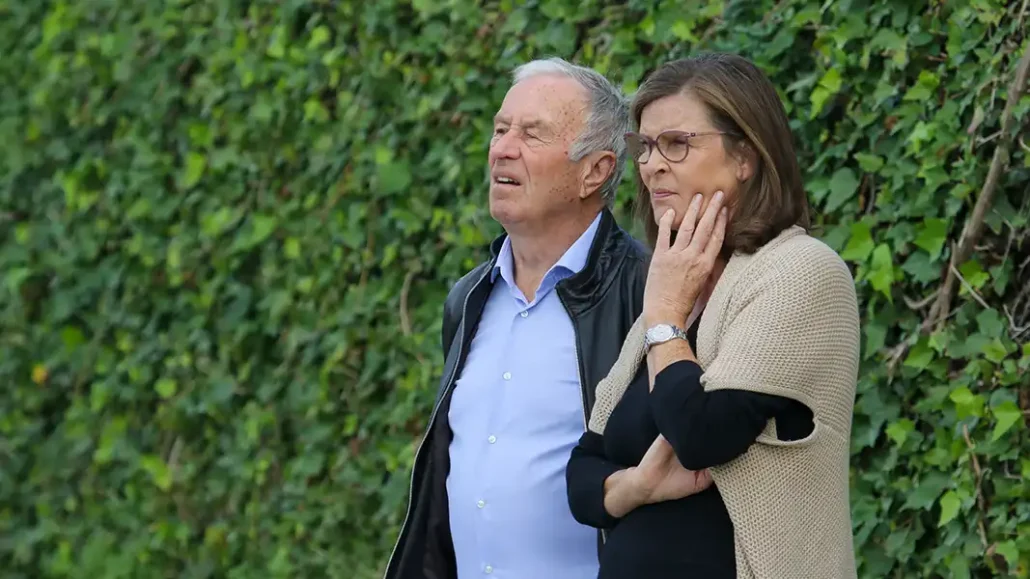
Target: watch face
(661, 333)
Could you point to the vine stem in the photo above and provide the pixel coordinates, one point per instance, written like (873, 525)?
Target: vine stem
(973, 228)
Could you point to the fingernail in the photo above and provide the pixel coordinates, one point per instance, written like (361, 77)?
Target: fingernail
(698, 198)
(669, 213)
(718, 195)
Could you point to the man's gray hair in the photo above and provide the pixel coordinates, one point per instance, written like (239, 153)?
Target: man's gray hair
(607, 121)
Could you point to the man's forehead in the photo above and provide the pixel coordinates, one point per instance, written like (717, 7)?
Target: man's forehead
(542, 100)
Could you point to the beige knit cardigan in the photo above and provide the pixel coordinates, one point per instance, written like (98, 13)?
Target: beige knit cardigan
(781, 321)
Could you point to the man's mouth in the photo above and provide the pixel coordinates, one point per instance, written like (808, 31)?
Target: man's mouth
(506, 181)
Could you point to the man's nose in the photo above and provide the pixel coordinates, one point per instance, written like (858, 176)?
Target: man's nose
(505, 146)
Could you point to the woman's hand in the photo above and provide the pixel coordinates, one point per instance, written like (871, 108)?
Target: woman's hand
(679, 270)
(660, 476)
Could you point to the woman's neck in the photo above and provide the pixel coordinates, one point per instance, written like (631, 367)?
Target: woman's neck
(706, 291)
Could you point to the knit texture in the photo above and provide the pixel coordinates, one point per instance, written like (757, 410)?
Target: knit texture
(781, 321)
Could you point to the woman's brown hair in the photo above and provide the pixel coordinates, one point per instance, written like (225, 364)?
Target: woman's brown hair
(742, 103)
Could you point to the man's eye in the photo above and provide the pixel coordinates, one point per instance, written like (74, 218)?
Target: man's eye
(499, 130)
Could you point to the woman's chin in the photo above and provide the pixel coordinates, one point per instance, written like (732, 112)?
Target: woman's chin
(660, 205)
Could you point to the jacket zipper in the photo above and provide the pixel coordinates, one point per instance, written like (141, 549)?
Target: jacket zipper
(582, 386)
(432, 418)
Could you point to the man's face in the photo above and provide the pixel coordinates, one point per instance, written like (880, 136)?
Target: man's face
(531, 176)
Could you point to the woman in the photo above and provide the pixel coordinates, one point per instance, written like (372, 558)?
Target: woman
(718, 444)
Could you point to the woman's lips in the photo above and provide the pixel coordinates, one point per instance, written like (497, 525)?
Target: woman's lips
(662, 193)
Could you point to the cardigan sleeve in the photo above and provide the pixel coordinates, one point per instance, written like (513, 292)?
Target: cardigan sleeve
(707, 429)
(587, 470)
(792, 330)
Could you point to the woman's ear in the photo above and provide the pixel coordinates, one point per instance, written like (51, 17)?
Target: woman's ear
(747, 161)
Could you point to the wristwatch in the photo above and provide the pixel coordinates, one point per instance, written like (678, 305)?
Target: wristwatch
(661, 333)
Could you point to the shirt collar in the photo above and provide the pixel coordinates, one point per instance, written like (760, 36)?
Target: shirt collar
(571, 262)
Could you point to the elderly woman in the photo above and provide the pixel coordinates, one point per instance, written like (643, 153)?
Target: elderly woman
(718, 444)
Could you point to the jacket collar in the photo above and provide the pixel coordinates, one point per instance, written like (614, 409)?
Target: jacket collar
(606, 251)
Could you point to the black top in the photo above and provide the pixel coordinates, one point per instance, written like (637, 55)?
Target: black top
(692, 536)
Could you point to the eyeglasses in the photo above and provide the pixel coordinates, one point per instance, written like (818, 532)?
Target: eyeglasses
(673, 145)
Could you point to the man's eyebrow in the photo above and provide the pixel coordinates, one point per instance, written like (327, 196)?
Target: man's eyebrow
(531, 123)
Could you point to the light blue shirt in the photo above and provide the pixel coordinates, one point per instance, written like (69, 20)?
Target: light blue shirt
(516, 414)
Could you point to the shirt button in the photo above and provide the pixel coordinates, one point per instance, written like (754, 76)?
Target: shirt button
(492, 439)
(481, 503)
(524, 314)
(488, 569)
(507, 376)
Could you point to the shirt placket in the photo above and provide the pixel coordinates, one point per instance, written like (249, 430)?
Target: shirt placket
(492, 445)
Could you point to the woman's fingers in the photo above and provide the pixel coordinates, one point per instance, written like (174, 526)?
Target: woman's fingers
(686, 230)
(711, 250)
(707, 223)
(664, 229)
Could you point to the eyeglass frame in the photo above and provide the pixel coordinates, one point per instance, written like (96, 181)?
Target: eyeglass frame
(652, 144)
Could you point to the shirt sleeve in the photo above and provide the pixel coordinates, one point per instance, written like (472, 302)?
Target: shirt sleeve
(587, 470)
(707, 429)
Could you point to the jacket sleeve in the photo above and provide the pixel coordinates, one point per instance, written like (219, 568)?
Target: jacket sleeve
(587, 470)
(708, 429)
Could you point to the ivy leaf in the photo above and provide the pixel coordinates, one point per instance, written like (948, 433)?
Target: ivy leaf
(843, 185)
(868, 162)
(995, 350)
(319, 36)
(394, 177)
(990, 322)
(950, 504)
(159, 472)
(1007, 414)
(1010, 551)
(214, 223)
(881, 271)
(195, 165)
(920, 269)
(966, 402)
(924, 87)
(828, 86)
(875, 338)
(932, 236)
(925, 493)
(861, 244)
(261, 227)
(166, 388)
(899, 431)
(72, 338)
(291, 248)
(920, 355)
(974, 275)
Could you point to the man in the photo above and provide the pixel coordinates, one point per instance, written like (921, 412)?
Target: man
(527, 336)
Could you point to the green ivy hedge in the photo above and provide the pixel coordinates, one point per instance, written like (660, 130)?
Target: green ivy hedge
(227, 229)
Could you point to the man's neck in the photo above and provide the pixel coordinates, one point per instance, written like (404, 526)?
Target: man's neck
(536, 252)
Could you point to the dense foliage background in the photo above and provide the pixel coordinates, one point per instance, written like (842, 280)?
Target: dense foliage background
(228, 227)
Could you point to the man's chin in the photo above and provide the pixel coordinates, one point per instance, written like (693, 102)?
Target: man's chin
(505, 211)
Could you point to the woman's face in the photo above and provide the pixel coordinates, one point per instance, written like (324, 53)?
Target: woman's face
(706, 168)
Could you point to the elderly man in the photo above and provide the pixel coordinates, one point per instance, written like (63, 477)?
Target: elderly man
(527, 336)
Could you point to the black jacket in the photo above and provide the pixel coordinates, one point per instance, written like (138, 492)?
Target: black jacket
(602, 301)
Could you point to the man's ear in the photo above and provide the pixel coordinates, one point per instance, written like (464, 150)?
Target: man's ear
(598, 167)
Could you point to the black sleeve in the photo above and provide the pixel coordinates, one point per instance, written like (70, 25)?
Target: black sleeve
(707, 429)
(587, 470)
